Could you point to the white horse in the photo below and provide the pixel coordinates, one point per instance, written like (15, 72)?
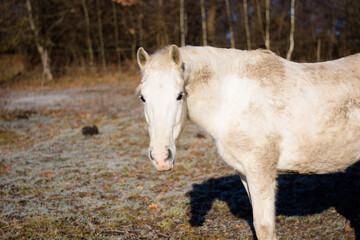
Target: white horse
(265, 114)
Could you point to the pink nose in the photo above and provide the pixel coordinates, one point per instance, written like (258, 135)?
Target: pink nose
(162, 159)
(162, 166)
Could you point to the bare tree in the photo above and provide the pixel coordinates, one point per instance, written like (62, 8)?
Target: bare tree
(140, 28)
(231, 27)
(88, 36)
(318, 50)
(211, 22)
(162, 35)
(45, 59)
(260, 21)
(128, 23)
(203, 21)
(182, 23)
(116, 31)
(246, 23)
(267, 30)
(333, 27)
(67, 32)
(292, 30)
(101, 38)
(281, 21)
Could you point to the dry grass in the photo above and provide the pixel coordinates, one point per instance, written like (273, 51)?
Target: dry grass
(58, 184)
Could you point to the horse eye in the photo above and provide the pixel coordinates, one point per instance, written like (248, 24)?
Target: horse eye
(180, 96)
(142, 98)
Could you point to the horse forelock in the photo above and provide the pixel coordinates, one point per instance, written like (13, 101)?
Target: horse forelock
(159, 68)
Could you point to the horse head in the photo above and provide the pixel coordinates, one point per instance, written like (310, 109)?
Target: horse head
(163, 95)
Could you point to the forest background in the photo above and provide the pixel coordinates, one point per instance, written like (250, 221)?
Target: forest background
(62, 36)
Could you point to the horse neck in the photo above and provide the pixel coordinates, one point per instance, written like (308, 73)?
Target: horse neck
(202, 86)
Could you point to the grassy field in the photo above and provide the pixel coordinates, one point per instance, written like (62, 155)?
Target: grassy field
(58, 184)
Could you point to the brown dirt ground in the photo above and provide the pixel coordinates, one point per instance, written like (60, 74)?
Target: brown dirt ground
(57, 184)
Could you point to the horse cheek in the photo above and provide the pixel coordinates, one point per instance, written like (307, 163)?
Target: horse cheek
(179, 123)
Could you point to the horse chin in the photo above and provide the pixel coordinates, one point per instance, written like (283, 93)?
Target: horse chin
(164, 169)
(170, 167)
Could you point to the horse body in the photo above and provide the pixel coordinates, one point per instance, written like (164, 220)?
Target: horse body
(264, 113)
(311, 111)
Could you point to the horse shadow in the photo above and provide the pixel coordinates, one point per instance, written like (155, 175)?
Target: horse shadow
(297, 195)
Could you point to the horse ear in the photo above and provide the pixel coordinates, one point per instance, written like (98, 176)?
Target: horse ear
(175, 56)
(142, 58)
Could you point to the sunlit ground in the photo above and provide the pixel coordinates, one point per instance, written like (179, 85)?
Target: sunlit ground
(57, 183)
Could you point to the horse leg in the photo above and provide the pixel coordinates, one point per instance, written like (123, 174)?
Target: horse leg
(262, 185)
(257, 166)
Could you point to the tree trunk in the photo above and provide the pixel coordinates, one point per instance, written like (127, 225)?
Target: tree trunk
(88, 36)
(246, 22)
(211, 22)
(140, 29)
(162, 36)
(116, 31)
(102, 50)
(134, 39)
(130, 32)
(292, 30)
(185, 22)
(203, 21)
(182, 25)
(133, 51)
(333, 28)
(318, 50)
(231, 27)
(267, 30)
(280, 23)
(45, 59)
(260, 21)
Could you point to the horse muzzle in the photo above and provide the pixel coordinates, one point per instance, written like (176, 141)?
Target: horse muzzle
(162, 160)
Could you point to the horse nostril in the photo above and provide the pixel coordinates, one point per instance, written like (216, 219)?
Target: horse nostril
(169, 154)
(151, 155)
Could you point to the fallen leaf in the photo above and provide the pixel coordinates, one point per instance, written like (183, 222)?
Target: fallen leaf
(153, 206)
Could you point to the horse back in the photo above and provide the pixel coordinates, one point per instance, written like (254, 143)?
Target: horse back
(321, 120)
